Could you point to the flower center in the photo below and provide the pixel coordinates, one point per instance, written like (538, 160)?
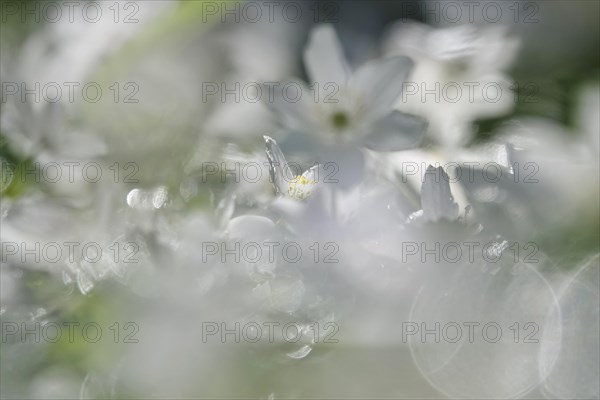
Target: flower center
(301, 188)
(340, 120)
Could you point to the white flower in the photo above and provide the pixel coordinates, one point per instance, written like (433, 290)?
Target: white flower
(436, 198)
(299, 187)
(538, 160)
(352, 108)
(71, 51)
(47, 131)
(459, 76)
(254, 53)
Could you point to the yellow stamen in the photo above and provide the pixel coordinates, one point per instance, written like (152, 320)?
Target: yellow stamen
(301, 188)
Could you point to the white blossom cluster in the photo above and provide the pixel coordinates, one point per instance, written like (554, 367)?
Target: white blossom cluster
(217, 188)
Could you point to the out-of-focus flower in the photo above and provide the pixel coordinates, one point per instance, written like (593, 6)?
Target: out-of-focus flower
(536, 160)
(47, 133)
(299, 187)
(71, 51)
(39, 221)
(459, 76)
(254, 53)
(365, 223)
(342, 111)
(436, 198)
(51, 137)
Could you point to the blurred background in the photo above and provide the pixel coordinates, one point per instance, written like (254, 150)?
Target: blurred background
(126, 131)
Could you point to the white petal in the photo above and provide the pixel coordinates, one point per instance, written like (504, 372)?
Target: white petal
(250, 227)
(436, 197)
(281, 174)
(324, 57)
(290, 103)
(379, 83)
(313, 173)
